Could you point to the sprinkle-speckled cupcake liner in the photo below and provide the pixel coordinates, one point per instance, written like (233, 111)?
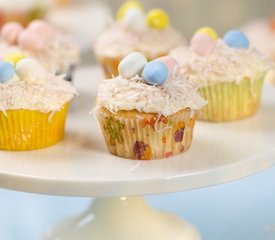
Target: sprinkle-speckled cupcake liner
(231, 101)
(145, 136)
(22, 130)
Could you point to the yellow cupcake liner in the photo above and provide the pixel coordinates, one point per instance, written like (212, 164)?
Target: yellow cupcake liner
(110, 64)
(231, 101)
(145, 136)
(22, 130)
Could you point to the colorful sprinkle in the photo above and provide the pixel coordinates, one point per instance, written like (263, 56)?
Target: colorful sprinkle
(152, 121)
(158, 19)
(168, 154)
(236, 39)
(178, 136)
(114, 127)
(142, 151)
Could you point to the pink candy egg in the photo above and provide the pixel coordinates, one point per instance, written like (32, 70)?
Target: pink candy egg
(31, 41)
(10, 32)
(202, 44)
(170, 63)
(41, 28)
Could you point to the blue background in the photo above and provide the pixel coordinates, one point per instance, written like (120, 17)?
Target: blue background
(241, 210)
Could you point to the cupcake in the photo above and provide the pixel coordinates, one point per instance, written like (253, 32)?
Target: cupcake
(148, 111)
(133, 30)
(53, 49)
(33, 106)
(229, 72)
(22, 11)
(261, 33)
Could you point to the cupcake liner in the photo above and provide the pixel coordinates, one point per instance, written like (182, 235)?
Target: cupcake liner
(22, 130)
(231, 101)
(22, 17)
(110, 64)
(145, 136)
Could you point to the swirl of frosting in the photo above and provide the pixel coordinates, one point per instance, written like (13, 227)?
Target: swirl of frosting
(134, 94)
(224, 64)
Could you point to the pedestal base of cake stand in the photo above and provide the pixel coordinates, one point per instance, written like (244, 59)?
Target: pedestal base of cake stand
(123, 219)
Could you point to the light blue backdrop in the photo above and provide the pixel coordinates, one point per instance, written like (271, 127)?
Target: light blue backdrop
(241, 210)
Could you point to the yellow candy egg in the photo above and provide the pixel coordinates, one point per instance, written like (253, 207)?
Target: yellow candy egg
(158, 19)
(210, 31)
(14, 57)
(125, 7)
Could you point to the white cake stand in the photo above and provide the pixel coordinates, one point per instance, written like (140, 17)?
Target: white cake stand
(81, 166)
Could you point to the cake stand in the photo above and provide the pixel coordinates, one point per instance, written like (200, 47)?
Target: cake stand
(82, 166)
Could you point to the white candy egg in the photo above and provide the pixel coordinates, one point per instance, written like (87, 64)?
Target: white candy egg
(30, 70)
(132, 65)
(134, 19)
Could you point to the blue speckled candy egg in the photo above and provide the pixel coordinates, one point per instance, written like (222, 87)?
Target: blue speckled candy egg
(6, 72)
(155, 73)
(236, 39)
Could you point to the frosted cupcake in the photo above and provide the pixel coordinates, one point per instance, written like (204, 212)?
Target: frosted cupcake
(229, 72)
(54, 50)
(148, 111)
(33, 106)
(261, 33)
(133, 30)
(22, 11)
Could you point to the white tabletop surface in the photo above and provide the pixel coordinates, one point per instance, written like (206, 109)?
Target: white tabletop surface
(81, 165)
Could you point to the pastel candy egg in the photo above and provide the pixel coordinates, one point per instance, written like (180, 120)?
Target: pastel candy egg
(14, 57)
(31, 41)
(31, 71)
(155, 73)
(202, 44)
(209, 31)
(236, 39)
(158, 19)
(10, 32)
(134, 19)
(125, 7)
(41, 28)
(6, 72)
(132, 65)
(170, 63)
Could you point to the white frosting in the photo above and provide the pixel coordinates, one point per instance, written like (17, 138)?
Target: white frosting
(118, 41)
(261, 36)
(224, 64)
(134, 94)
(48, 96)
(57, 56)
